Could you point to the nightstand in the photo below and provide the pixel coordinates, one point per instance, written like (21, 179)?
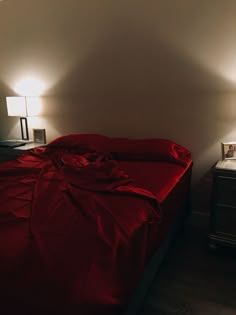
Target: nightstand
(7, 154)
(222, 229)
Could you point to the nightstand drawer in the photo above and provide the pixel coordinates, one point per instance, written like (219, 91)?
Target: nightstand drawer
(226, 191)
(7, 154)
(6, 158)
(222, 227)
(225, 221)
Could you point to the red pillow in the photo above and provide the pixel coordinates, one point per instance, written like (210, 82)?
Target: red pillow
(80, 141)
(123, 148)
(148, 150)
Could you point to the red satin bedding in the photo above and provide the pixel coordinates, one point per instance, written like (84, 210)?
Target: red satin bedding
(77, 227)
(170, 183)
(158, 177)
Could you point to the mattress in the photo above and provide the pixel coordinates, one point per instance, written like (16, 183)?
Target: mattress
(158, 177)
(169, 182)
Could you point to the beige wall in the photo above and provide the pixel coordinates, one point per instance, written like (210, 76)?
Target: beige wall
(127, 68)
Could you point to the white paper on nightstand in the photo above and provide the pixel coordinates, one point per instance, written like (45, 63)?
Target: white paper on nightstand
(226, 165)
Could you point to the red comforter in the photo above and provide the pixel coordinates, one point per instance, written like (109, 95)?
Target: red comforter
(73, 229)
(75, 233)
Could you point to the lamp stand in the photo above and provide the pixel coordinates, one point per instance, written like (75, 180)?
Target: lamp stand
(24, 128)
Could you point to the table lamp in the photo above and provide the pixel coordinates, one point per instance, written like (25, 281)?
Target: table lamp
(21, 106)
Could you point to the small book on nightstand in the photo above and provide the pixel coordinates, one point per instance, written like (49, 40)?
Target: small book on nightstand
(226, 165)
(10, 144)
(14, 143)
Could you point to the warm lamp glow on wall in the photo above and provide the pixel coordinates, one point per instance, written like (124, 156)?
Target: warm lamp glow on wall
(29, 86)
(21, 106)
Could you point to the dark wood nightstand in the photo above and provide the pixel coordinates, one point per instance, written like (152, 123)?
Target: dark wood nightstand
(223, 212)
(7, 154)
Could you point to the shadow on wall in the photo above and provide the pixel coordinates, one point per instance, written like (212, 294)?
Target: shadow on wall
(202, 194)
(134, 84)
(130, 61)
(4, 90)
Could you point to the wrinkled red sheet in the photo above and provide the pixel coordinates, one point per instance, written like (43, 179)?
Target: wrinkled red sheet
(160, 177)
(75, 231)
(169, 182)
(75, 226)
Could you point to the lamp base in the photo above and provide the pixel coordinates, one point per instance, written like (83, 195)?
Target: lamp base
(24, 128)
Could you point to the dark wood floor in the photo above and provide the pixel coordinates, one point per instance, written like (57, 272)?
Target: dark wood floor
(194, 280)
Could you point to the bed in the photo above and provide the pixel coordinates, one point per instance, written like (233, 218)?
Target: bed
(84, 220)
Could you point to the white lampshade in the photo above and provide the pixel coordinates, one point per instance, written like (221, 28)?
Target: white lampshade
(34, 105)
(22, 106)
(16, 106)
